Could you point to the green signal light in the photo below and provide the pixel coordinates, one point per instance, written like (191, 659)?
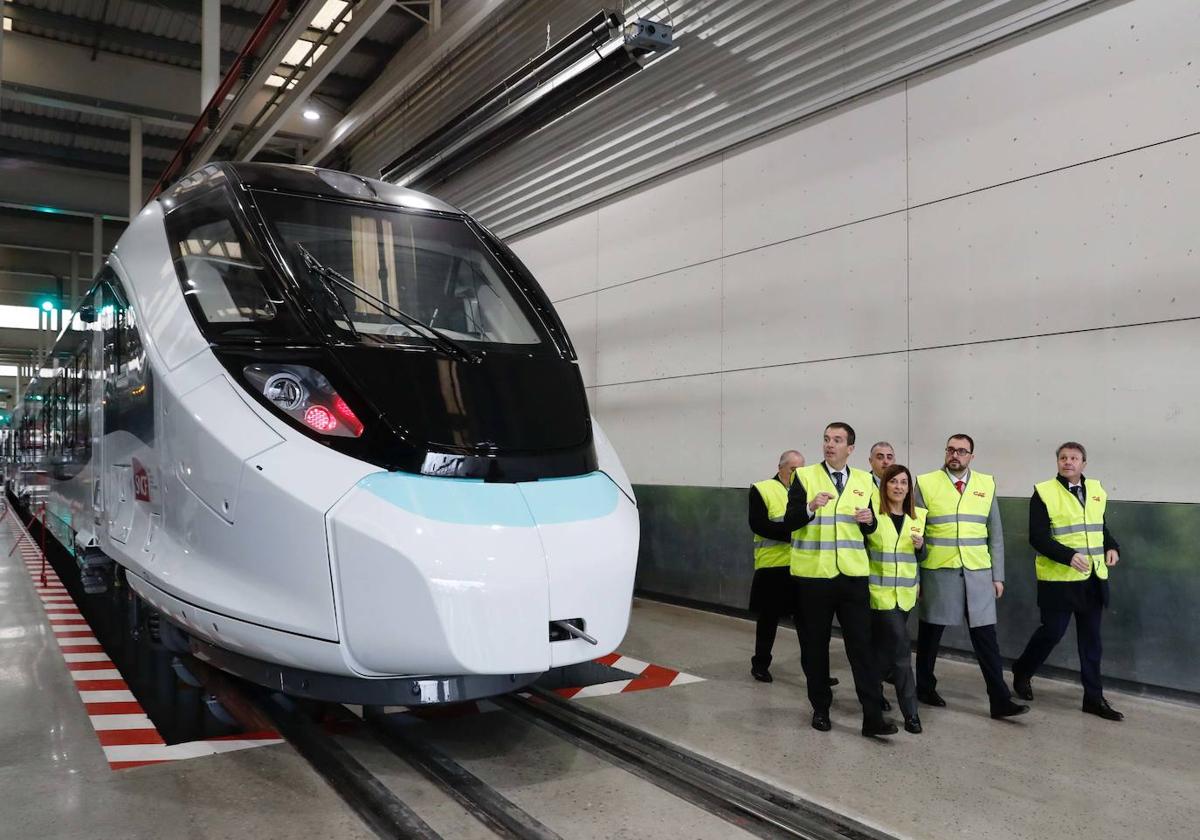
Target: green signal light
(47, 306)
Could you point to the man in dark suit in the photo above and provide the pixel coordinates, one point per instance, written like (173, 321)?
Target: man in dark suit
(1074, 553)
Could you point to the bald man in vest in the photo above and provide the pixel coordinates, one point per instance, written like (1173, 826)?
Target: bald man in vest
(771, 594)
(1074, 553)
(962, 574)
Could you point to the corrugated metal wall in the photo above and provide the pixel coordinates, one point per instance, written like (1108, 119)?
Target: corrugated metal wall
(743, 68)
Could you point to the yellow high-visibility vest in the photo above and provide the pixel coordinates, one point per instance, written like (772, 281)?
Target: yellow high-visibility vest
(771, 553)
(893, 562)
(1076, 526)
(832, 543)
(956, 532)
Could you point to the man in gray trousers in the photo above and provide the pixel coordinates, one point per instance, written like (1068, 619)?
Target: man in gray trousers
(962, 573)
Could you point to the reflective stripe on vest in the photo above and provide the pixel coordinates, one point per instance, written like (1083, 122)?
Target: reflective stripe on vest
(1078, 527)
(956, 530)
(771, 553)
(832, 543)
(893, 562)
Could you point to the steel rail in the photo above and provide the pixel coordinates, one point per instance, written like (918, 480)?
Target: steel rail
(743, 800)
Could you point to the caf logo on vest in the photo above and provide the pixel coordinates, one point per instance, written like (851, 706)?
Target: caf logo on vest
(1095, 498)
(858, 492)
(980, 494)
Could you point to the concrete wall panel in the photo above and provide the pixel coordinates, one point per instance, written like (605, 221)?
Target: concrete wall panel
(832, 294)
(845, 167)
(672, 224)
(564, 258)
(1020, 399)
(668, 325)
(667, 431)
(1096, 245)
(769, 410)
(1104, 83)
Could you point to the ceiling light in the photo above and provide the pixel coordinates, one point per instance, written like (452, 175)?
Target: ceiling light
(297, 52)
(275, 80)
(328, 14)
(312, 114)
(8, 24)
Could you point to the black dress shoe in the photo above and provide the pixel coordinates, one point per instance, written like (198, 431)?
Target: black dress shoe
(761, 674)
(913, 725)
(885, 705)
(1009, 709)
(820, 722)
(1100, 707)
(833, 681)
(876, 728)
(1021, 687)
(930, 698)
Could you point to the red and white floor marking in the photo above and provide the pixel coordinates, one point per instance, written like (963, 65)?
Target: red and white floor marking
(128, 737)
(648, 676)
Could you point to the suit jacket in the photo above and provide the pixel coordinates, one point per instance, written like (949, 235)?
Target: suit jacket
(1070, 595)
(949, 595)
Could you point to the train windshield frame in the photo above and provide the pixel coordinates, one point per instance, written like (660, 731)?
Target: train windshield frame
(380, 275)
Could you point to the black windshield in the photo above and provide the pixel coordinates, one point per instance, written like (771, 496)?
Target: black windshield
(433, 268)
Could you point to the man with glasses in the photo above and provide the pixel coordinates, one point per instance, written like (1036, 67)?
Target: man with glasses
(962, 574)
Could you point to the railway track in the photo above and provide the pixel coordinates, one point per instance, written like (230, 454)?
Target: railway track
(748, 803)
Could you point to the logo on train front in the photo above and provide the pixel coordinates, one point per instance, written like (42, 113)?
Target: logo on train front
(141, 482)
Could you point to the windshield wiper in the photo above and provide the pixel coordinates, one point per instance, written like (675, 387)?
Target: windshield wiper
(322, 273)
(330, 276)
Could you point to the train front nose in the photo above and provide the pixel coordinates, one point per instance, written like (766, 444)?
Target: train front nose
(453, 576)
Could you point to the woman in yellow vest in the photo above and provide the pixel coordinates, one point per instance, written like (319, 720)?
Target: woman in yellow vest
(894, 549)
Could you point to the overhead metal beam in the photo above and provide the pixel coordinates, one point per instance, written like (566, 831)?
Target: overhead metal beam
(365, 16)
(210, 50)
(242, 19)
(71, 157)
(417, 58)
(91, 105)
(154, 141)
(235, 112)
(186, 52)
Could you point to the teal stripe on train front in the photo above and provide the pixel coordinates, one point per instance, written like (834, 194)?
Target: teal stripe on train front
(465, 501)
(554, 501)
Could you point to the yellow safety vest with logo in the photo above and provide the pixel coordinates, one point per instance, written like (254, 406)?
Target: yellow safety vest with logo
(956, 532)
(771, 553)
(1076, 526)
(893, 579)
(832, 543)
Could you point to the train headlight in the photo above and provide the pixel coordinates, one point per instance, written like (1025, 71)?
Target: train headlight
(305, 395)
(285, 391)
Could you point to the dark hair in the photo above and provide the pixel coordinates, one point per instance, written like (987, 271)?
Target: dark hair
(910, 507)
(846, 427)
(1071, 445)
(967, 438)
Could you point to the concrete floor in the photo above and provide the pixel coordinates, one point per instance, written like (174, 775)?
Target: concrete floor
(1052, 773)
(56, 783)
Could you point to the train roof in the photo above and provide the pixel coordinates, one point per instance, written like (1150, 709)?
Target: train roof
(309, 180)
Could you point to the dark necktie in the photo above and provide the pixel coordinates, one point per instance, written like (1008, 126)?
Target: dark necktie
(1078, 490)
(959, 485)
(837, 482)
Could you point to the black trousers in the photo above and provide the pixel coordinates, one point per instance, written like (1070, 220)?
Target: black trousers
(1087, 634)
(987, 651)
(818, 600)
(893, 652)
(772, 597)
(764, 639)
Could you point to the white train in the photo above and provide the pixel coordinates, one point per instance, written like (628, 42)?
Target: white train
(332, 431)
